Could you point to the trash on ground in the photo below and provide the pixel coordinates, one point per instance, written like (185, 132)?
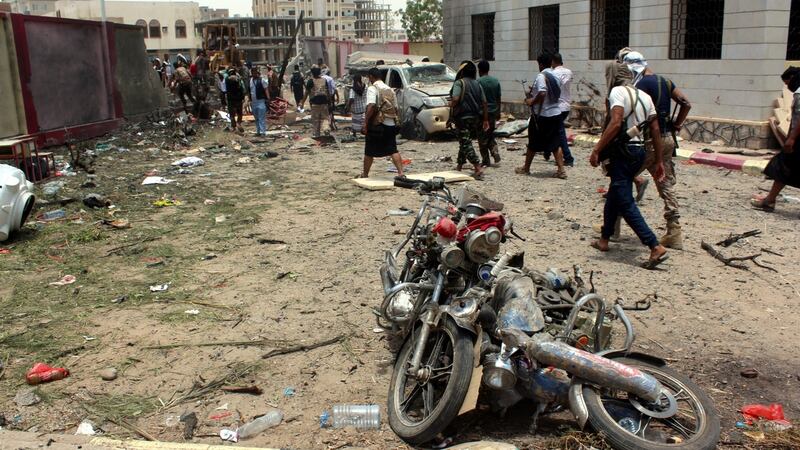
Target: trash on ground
(209, 202)
(5, 251)
(509, 141)
(189, 421)
(119, 224)
(362, 417)
(512, 128)
(399, 212)
(272, 418)
(291, 275)
(208, 257)
(52, 188)
(192, 312)
(108, 374)
(252, 389)
(189, 161)
(65, 280)
(773, 411)
(289, 392)
(96, 201)
(244, 160)
(159, 287)
(156, 180)
(42, 373)
(86, 428)
(53, 215)
(228, 435)
(267, 183)
(119, 299)
(220, 219)
(220, 416)
(26, 397)
(164, 202)
(749, 373)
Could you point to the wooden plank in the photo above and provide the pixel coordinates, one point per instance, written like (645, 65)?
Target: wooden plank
(383, 183)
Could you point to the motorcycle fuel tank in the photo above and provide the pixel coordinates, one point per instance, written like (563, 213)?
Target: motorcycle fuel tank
(514, 299)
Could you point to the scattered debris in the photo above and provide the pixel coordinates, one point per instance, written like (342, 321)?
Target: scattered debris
(119, 224)
(189, 421)
(192, 312)
(86, 428)
(96, 201)
(26, 397)
(65, 280)
(52, 188)
(749, 373)
(272, 418)
(302, 347)
(252, 389)
(731, 262)
(400, 212)
(164, 202)
(189, 161)
(156, 180)
(228, 435)
(208, 257)
(220, 219)
(42, 373)
(52, 215)
(289, 392)
(159, 287)
(512, 128)
(271, 241)
(119, 299)
(733, 238)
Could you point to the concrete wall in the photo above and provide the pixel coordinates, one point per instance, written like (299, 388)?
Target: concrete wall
(740, 86)
(69, 82)
(433, 50)
(138, 84)
(12, 116)
(167, 13)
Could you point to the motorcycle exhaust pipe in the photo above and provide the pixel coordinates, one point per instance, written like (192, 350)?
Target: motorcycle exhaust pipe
(595, 369)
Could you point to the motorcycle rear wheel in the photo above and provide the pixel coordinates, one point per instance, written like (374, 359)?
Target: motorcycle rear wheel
(418, 412)
(694, 426)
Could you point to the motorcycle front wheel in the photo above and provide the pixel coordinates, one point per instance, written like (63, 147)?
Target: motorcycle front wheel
(421, 409)
(689, 422)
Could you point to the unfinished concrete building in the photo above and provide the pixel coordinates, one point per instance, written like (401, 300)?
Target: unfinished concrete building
(261, 40)
(372, 20)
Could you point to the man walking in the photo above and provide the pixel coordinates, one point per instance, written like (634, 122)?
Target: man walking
(380, 125)
(627, 107)
(259, 98)
(319, 98)
(183, 80)
(662, 91)
(333, 95)
(564, 75)
(235, 92)
(545, 125)
(297, 88)
(469, 112)
(491, 89)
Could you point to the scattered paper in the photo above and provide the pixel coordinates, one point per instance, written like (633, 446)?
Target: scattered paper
(156, 180)
(68, 279)
(159, 287)
(192, 312)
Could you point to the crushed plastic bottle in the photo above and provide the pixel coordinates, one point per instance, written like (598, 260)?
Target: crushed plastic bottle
(272, 418)
(362, 417)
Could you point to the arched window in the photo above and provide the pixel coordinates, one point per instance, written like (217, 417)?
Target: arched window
(155, 29)
(180, 29)
(141, 23)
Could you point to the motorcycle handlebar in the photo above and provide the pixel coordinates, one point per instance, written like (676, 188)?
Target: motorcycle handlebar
(422, 186)
(405, 183)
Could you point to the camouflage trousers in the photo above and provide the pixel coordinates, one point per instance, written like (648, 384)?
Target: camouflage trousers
(486, 142)
(468, 129)
(666, 188)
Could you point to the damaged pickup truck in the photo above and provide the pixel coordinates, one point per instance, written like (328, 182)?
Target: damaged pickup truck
(423, 91)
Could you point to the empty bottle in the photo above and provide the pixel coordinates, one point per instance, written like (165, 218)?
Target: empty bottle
(54, 215)
(362, 417)
(270, 419)
(557, 279)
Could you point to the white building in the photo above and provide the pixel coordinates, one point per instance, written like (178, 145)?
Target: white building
(340, 15)
(726, 55)
(168, 26)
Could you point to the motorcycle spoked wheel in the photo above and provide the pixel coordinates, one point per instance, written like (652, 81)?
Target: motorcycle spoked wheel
(695, 425)
(419, 411)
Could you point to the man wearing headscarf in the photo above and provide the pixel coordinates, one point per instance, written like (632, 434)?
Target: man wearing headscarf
(627, 109)
(663, 92)
(468, 112)
(784, 168)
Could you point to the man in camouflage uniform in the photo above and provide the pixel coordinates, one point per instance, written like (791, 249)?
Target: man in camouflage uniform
(469, 112)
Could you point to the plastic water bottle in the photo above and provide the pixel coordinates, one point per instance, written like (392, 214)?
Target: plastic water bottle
(54, 215)
(270, 419)
(362, 417)
(557, 279)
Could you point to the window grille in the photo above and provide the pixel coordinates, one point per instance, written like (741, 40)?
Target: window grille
(611, 21)
(483, 36)
(696, 31)
(543, 30)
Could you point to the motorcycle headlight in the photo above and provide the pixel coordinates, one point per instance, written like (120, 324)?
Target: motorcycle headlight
(401, 305)
(482, 246)
(498, 373)
(452, 257)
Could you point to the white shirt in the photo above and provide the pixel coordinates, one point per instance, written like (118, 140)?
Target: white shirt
(264, 82)
(546, 108)
(564, 75)
(644, 109)
(372, 98)
(330, 83)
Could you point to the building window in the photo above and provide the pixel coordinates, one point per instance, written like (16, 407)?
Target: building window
(180, 29)
(483, 36)
(291, 12)
(155, 29)
(143, 25)
(611, 21)
(543, 30)
(696, 31)
(793, 47)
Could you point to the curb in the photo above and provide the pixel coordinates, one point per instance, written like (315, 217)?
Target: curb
(13, 440)
(753, 167)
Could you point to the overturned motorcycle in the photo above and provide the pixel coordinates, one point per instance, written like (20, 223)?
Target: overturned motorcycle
(473, 320)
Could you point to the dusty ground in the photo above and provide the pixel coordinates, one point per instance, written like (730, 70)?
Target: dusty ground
(709, 321)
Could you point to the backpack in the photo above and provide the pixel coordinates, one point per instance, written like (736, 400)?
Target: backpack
(319, 91)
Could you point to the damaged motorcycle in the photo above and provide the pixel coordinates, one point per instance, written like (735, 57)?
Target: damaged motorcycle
(475, 323)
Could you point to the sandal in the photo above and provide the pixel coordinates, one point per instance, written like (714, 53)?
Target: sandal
(560, 175)
(478, 175)
(596, 245)
(762, 205)
(522, 171)
(652, 264)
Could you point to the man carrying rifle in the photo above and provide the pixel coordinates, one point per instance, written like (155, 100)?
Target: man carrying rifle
(663, 92)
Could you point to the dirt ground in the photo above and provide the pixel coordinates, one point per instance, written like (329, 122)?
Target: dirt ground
(267, 253)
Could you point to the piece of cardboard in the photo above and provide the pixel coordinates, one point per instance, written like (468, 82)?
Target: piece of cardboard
(384, 183)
